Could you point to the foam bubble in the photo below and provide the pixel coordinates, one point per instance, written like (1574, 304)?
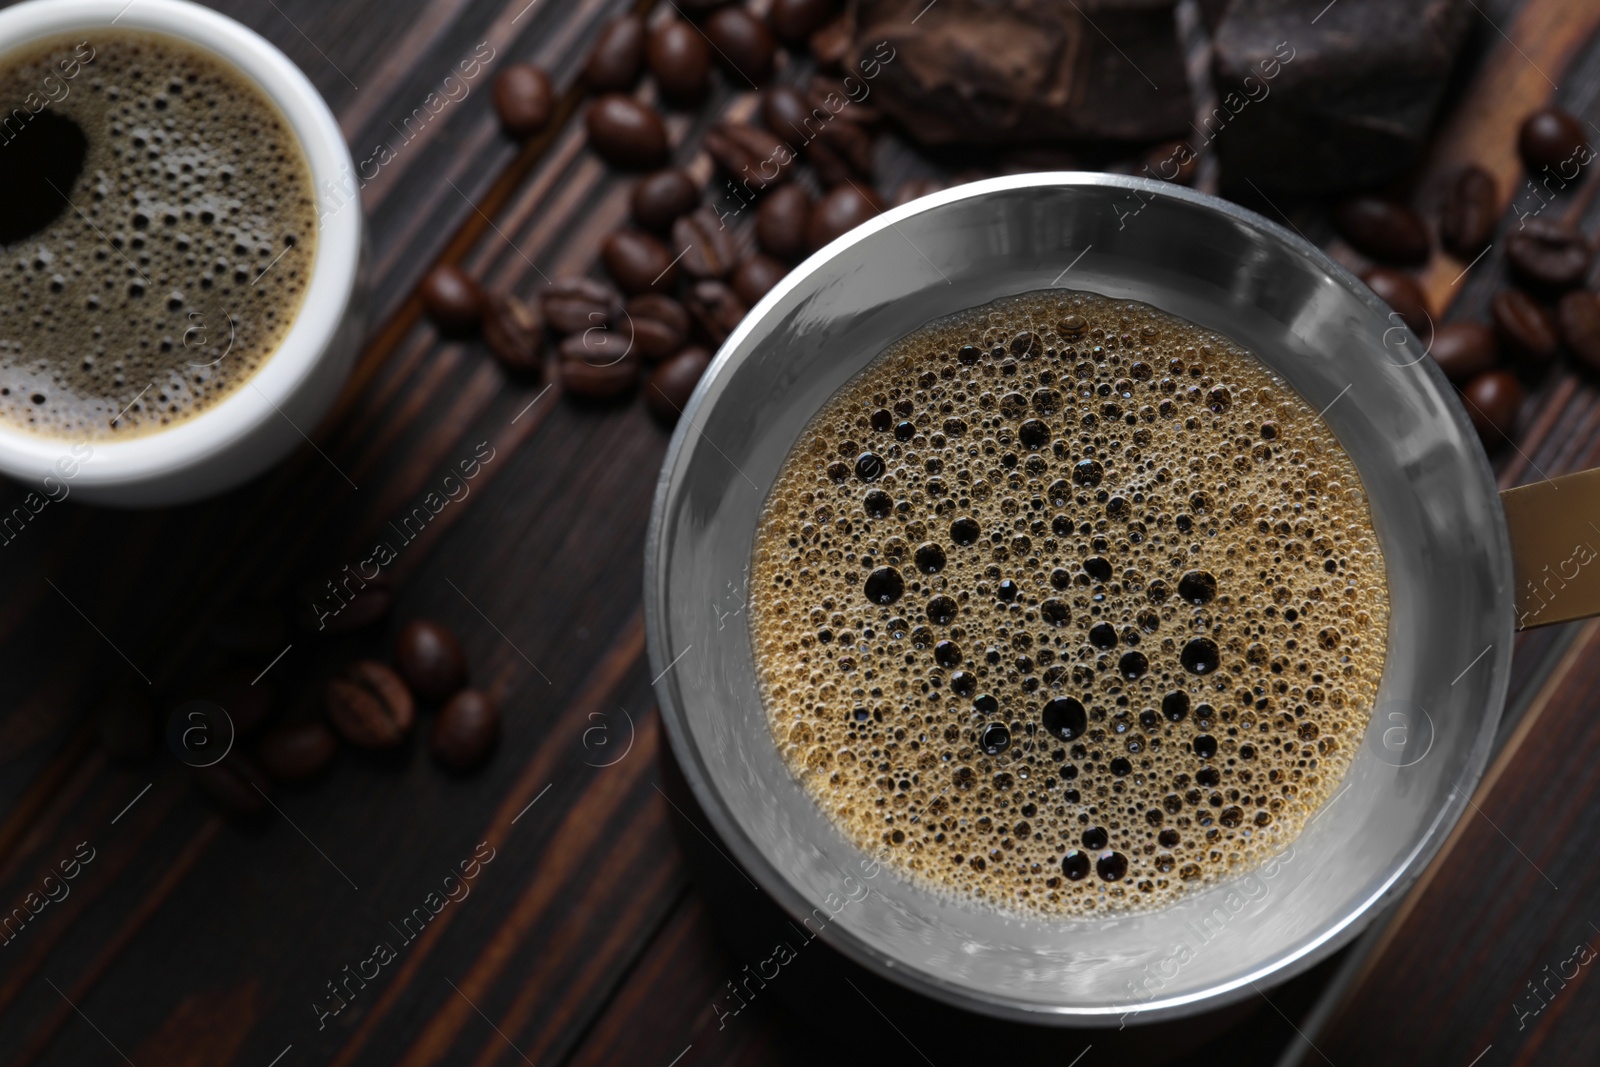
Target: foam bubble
(184, 253)
(1102, 626)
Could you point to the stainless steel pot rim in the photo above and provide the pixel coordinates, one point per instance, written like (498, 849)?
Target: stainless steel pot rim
(748, 856)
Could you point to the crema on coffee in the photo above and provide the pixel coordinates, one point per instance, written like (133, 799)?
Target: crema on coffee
(1067, 605)
(158, 231)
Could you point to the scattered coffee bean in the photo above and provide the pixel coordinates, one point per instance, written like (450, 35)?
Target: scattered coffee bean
(1526, 327)
(1382, 229)
(452, 299)
(523, 99)
(1402, 293)
(1464, 350)
(841, 211)
(618, 53)
(750, 155)
(574, 304)
(296, 750)
(248, 628)
(514, 332)
(672, 383)
(430, 659)
(716, 307)
(1579, 316)
(466, 730)
(320, 610)
(604, 381)
(1172, 161)
(705, 246)
(236, 783)
(1469, 213)
(1494, 399)
(680, 60)
(915, 189)
(126, 730)
(826, 91)
(597, 348)
(660, 325)
(755, 276)
(837, 147)
(781, 221)
(743, 43)
(1550, 137)
(794, 21)
(638, 262)
(625, 133)
(661, 197)
(1548, 255)
(830, 44)
(370, 705)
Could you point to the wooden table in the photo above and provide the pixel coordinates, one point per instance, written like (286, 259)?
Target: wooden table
(192, 937)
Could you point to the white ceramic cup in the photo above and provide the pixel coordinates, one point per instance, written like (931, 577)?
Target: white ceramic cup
(270, 413)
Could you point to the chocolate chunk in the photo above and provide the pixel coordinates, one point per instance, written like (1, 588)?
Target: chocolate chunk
(999, 71)
(1344, 104)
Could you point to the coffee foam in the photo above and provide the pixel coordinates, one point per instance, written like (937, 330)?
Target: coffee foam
(1068, 605)
(183, 256)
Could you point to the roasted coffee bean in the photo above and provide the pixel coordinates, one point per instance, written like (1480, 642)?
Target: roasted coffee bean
(750, 155)
(1579, 316)
(1548, 255)
(599, 381)
(523, 99)
(466, 730)
(743, 43)
(1469, 213)
(830, 93)
(680, 59)
(716, 307)
(638, 262)
(598, 348)
(1172, 161)
(661, 197)
(296, 750)
(625, 133)
(787, 113)
(574, 304)
(915, 189)
(370, 705)
(754, 277)
(841, 211)
(613, 65)
(781, 222)
(1402, 293)
(514, 332)
(236, 783)
(705, 246)
(794, 21)
(1464, 350)
(1550, 138)
(452, 299)
(830, 44)
(1382, 229)
(1526, 327)
(248, 628)
(326, 607)
(672, 383)
(660, 325)
(837, 147)
(1494, 399)
(430, 659)
(126, 729)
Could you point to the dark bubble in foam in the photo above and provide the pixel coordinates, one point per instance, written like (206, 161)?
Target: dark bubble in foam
(1136, 593)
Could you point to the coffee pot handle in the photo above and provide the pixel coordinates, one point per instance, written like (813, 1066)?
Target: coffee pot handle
(1555, 543)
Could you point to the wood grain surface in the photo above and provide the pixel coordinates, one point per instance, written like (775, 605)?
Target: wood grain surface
(593, 935)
